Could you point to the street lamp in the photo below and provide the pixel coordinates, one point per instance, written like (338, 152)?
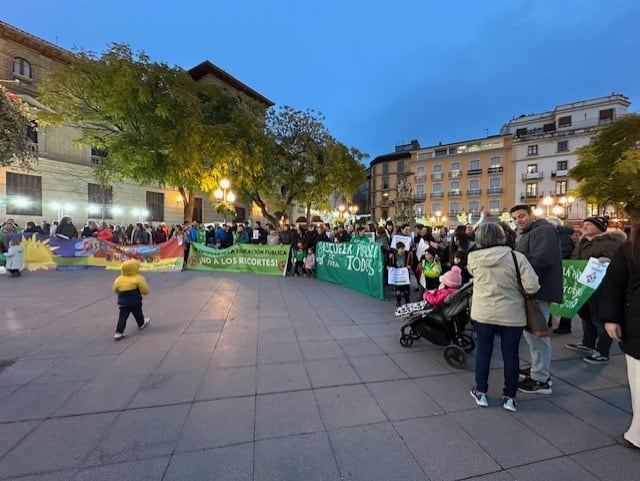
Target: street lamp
(341, 209)
(224, 197)
(566, 205)
(60, 208)
(353, 210)
(141, 214)
(547, 201)
(438, 220)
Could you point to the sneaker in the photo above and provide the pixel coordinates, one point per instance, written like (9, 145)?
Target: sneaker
(534, 387)
(145, 324)
(579, 347)
(480, 398)
(117, 336)
(562, 330)
(622, 441)
(525, 373)
(509, 404)
(596, 358)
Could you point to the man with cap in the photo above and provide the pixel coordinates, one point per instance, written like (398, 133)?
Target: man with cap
(596, 242)
(538, 240)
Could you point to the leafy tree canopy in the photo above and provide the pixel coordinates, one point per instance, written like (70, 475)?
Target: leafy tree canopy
(15, 147)
(608, 168)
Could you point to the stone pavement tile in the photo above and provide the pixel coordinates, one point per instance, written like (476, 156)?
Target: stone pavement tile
(379, 329)
(17, 346)
(142, 470)
(65, 475)
(580, 374)
(288, 376)
(450, 454)
(564, 469)
(217, 423)
(497, 476)
(11, 433)
(58, 347)
(191, 352)
(305, 457)
(450, 391)
(348, 406)
(363, 316)
(280, 352)
(374, 453)
(614, 463)
(104, 346)
(101, 395)
(230, 463)
(331, 372)
(25, 370)
(391, 345)
(323, 349)
(403, 400)
(82, 368)
(500, 433)
(595, 412)
(239, 336)
(227, 382)
(36, 401)
(279, 323)
(56, 444)
(205, 325)
(140, 434)
(346, 332)
(284, 414)
(377, 368)
(334, 316)
(620, 397)
(312, 333)
(162, 389)
(419, 364)
(567, 433)
(277, 335)
(232, 355)
(133, 362)
(359, 346)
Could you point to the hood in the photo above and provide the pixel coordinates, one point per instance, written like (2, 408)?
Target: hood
(489, 256)
(130, 267)
(612, 235)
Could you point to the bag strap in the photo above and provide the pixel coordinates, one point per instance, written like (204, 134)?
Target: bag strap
(515, 262)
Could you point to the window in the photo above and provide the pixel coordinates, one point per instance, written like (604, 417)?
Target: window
(564, 121)
(100, 201)
(422, 156)
(437, 187)
(436, 207)
(385, 183)
(21, 67)
(437, 168)
(454, 185)
(385, 214)
(521, 132)
(563, 146)
(474, 184)
(32, 132)
(420, 170)
(495, 161)
(98, 155)
(561, 165)
(474, 164)
(494, 183)
(155, 205)
(400, 167)
(197, 210)
(24, 194)
(532, 168)
(532, 190)
(440, 152)
(455, 166)
(494, 206)
(606, 116)
(561, 187)
(474, 206)
(385, 168)
(454, 207)
(420, 190)
(532, 150)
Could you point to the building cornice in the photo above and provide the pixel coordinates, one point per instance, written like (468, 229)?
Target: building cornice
(47, 49)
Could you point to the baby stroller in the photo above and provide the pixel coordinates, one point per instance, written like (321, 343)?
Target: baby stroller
(444, 326)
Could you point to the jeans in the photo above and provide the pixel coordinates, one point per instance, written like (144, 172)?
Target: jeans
(136, 310)
(540, 350)
(509, 343)
(593, 331)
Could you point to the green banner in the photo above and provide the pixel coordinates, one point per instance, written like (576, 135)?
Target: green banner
(257, 259)
(575, 293)
(351, 264)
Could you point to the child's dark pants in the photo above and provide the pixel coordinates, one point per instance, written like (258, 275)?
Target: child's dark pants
(136, 310)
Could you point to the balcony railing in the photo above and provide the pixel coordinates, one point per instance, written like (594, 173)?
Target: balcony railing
(419, 197)
(474, 192)
(454, 174)
(474, 171)
(498, 169)
(560, 173)
(532, 176)
(531, 195)
(420, 177)
(495, 190)
(437, 176)
(454, 193)
(435, 195)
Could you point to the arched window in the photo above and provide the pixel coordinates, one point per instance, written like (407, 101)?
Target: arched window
(21, 67)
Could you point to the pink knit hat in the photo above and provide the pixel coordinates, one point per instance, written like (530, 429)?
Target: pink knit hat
(452, 278)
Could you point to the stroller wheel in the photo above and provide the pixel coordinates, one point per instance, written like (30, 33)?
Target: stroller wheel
(467, 343)
(414, 335)
(406, 341)
(455, 356)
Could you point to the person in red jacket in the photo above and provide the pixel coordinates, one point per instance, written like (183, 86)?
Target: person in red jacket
(450, 282)
(104, 233)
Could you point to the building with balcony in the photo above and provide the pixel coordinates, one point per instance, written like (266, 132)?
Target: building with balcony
(61, 182)
(544, 150)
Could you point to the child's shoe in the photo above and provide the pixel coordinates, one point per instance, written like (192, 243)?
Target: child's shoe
(480, 398)
(509, 403)
(117, 336)
(147, 320)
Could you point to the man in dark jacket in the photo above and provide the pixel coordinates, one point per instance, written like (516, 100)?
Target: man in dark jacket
(538, 240)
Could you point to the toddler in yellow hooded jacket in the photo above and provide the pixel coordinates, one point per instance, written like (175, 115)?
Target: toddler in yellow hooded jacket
(130, 287)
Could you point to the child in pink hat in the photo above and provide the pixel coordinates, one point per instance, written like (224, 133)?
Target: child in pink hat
(450, 282)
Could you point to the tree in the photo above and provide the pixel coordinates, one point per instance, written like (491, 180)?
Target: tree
(298, 161)
(15, 147)
(156, 123)
(609, 167)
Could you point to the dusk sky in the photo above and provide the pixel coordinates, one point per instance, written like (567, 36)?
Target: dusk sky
(381, 72)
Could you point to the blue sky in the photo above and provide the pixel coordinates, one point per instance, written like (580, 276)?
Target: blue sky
(381, 72)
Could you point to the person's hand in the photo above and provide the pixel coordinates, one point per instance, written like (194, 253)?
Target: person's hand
(604, 260)
(613, 330)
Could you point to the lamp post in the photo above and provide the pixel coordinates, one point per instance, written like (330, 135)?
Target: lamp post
(224, 196)
(60, 208)
(141, 214)
(566, 205)
(341, 209)
(547, 201)
(438, 220)
(353, 210)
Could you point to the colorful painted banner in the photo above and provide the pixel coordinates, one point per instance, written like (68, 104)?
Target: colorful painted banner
(254, 258)
(575, 293)
(354, 265)
(42, 252)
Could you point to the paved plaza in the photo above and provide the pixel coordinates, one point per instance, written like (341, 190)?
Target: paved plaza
(246, 377)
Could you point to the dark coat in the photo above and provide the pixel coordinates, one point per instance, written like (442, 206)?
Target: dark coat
(566, 242)
(621, 289)
(540, 243)
(602, 245)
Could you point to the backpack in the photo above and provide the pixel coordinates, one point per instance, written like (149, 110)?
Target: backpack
(433, 270)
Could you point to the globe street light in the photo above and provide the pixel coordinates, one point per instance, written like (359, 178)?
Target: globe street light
(224, 196)
(547, 201)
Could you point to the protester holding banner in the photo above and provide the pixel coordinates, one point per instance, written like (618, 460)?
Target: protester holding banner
(600, 244)
(401, 259)
(621, 318)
